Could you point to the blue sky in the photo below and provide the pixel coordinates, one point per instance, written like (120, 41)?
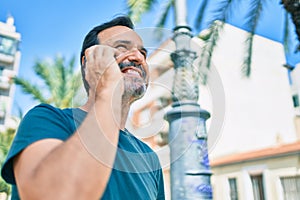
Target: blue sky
(58, 27)
(55, 27)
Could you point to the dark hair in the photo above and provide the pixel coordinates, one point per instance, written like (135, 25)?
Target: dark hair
(92, 39)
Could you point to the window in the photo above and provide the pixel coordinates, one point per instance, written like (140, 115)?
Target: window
(296, 100)
(258, 187)
(291, 187)
(233, 189)
(8, 45)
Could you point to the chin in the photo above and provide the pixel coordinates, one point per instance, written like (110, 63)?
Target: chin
(135, 88)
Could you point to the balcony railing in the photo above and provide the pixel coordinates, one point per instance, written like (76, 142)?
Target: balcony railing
(9, 59)
(4, 83)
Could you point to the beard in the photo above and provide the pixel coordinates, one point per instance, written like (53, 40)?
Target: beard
(134, 88)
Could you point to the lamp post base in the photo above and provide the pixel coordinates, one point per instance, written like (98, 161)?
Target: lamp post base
(190, 169)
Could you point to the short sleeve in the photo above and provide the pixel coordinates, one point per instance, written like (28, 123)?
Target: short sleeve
(41, 122)
(161, 190)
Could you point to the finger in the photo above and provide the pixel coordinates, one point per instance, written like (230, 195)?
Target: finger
(89, 53)
(120, 56)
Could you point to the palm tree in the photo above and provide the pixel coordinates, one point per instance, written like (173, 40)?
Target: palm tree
(221, 11)
(6, 138)
(179, 173)
(61, 82)
(293, 7)
(61, 85)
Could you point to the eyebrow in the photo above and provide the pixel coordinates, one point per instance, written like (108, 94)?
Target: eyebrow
(130, 43)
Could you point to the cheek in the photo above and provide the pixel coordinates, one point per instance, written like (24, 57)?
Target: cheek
(120, 56)
(147, 73)
(117, 54)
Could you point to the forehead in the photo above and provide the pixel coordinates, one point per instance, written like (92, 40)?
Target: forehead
(115, 33)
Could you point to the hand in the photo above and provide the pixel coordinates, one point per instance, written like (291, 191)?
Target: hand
(101, 69)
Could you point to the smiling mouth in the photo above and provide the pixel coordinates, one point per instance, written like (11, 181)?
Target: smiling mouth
(132, 72)
(124, 65)
(132, 69)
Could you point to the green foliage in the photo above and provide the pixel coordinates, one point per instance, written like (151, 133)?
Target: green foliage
(137, 7)
(29, 88)
(254, 14)
(210, 41)
(220, 13)
(164, 13)
(61, 82)
(199, 17)
(5, 142)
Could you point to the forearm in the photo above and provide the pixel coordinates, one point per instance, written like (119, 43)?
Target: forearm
(80, 167)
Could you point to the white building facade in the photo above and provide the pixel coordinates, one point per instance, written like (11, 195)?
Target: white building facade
(247, 114)
(9, 63)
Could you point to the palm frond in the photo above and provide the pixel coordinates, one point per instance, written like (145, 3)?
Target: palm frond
(220, 11)
(60, 73)
(286, 34)
(43, 71)
(6, 139)
(72, 87)
(29, 88)
(67, 82)
(164, 13)
(207, 50)
(137, 7)
(200, 14)
(293, 7)
(212, 35)
(71, 65)
(20, 112)
(252, 20)
(246, 66)
(162, 19)
(72, 83)
(60, 81)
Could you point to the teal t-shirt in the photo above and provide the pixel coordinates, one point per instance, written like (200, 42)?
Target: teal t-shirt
(136, 174)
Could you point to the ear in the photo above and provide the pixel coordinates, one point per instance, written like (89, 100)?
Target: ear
(83, 60)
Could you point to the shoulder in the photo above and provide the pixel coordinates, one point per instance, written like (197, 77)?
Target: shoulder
(41, 122)
(44, 108)
(47, 114)
(147, 151)
(141, 144)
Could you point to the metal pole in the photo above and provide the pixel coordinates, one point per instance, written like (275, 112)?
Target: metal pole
(190, 169)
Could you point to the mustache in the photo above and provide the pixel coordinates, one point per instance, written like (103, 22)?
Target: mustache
(122, 65)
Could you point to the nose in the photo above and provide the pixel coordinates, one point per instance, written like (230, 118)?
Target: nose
(136, 56)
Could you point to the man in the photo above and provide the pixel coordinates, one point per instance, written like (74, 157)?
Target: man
(86, 153)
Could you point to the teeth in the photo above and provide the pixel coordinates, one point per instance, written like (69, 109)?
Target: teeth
(130, 71)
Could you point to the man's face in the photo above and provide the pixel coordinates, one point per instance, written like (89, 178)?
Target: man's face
(131, 57)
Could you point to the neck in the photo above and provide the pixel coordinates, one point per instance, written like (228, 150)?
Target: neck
(124, 116)
(125, 110)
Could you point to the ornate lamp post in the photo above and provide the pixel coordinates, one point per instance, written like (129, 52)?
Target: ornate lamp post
(190, 169)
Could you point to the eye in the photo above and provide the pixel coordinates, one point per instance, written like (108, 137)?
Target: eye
(121, 47)
(144, 53)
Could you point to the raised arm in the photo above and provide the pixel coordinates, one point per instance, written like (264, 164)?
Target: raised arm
(78, 168)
